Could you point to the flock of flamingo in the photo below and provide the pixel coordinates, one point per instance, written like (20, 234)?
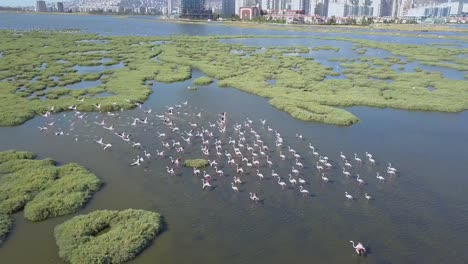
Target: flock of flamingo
(235, 150)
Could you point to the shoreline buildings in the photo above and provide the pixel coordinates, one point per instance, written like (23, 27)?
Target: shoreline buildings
(300, 11)
(194, 9)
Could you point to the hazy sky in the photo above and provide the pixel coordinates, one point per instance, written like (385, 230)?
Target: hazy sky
(18, 2)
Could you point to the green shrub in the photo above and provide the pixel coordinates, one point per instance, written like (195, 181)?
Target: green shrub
(196, 163)
(202, 81)
(41, 188)
(5, 226)
(107, 236)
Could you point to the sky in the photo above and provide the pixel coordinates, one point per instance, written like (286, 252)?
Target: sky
(17, 2)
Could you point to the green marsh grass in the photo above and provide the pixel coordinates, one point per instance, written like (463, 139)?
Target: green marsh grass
(302, 86)
(107, 236)
(41, 188)
(196, 163)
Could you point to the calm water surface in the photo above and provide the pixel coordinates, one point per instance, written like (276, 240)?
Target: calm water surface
(418, 216)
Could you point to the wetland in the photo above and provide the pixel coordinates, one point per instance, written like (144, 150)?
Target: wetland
(401, 97)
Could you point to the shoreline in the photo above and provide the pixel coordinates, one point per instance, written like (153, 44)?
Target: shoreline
(294, 27)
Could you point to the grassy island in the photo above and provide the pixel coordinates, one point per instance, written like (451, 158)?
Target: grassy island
(107, 236)
(203, 81)
(39, 70)
(41, 188)
(5, 226)
(196, 163)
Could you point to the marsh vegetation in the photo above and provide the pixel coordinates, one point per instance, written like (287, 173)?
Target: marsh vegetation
(107, 236)
(41, 188)
(196, 163)
(38, 69)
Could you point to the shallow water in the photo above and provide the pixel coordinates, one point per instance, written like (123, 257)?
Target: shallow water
(413, 214)
(418, 216)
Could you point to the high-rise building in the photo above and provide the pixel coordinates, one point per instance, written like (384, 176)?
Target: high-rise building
(169, 7)
(297, 4)
(60, 8)
(228, 8)
(41, 6)
(194, 9)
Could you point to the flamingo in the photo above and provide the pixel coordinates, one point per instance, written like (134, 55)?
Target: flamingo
(206, 175)
(259, 175)
(346, 173)
(368, 197)
(106, 146)
(319, 168)
(358, 160)
(360, 181)
(372, 161)
(196, 171)
(391, 172)
(347, 164)
(237, 180)
(325, 179)
(293, 170)
(136, 162)
(348, 196)
(274, 174)
(380, 177)
(390, 168)
(343, 157)
(99, 141)
(205, 184)
(220, 172)
(302, 181)
(254, 197)
(299, 164)
(282, 156)
(239, 170)
(269, 162)
(303, 191)
(234, 187)
(291, 180)
(282, 184)
(360, 249)
(42, 129)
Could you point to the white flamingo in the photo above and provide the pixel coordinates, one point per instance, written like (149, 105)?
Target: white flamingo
(234, 187)
(254, 197)
(274, 174)
(237, 180)
(368, 197)
(291, 180)
(259, 175)
(282, 184)
(293, 170)
(359, 180)
(325, 179)
(282, 156)
(220, 172)
(380, 177)
(205, 184)
(347, 164)
(304, 191)
(360, 249)
(343, 157)
(348, 196)
(319, 168)
(358, 160)
(346, 173)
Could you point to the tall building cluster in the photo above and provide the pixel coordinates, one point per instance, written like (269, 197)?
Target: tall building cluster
(347, 8)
